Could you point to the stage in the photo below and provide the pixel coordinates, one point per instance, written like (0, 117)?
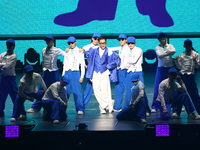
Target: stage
(93, 130)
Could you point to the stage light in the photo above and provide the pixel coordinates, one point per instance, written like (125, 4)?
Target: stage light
(81, 127)
(162, 130)
(11, 131)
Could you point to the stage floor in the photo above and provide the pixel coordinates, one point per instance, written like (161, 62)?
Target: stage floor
(92, 118)
(103, 130)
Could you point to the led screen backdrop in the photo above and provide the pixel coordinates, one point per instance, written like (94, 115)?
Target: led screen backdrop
(19, 17)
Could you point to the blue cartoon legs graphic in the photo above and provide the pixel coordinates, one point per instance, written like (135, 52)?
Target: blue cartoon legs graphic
(90, 10)
(87, 11)
(156, 9)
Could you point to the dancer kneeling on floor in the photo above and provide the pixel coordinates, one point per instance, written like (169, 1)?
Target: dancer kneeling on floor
(27, 90)
(137, 108)
(172, 94)
(55, 100)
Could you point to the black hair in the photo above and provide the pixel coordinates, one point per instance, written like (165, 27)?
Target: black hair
(102, 38)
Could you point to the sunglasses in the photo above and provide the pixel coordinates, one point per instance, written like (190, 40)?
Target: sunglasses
(95, 38)
(121, 39)
(102, 43)
(130, 43)
(70, 43)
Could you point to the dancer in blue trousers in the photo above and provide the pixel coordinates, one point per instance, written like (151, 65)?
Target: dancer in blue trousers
(164, 52)
(72, 60)
(137, 106)
(55, 101)
(27, 90)
(8, 83)
(88, 89)
(134, 67)
(120, 86)
(187, 62)
(174, 95)
(50, 69)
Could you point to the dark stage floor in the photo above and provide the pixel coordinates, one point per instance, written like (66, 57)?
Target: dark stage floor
(102, 129)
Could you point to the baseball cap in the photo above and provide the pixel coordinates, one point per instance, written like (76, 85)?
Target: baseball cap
(134, 77)
(71, 39)
(96, 35)
(122, 36)
(10, 41)
(131, 39)
(172, 70)
(28, 68)
(65, 78)
(49, 37)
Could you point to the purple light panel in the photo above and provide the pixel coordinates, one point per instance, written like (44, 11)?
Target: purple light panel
(11, 131)
(162, 130)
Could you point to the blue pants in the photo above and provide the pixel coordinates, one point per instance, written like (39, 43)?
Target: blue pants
(87, 93)
(49, 78)
(129, 114)
(75, 87)
(191, 86)
(179, 100)
(161, 74)
(19, 103)
(8, 85)
(129, 85)
(54, 109)
(120, 88)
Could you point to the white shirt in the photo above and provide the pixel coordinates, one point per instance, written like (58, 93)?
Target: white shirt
(164, 54)
(72, 60)
(50, 58)
(135, 60)
(56, 92)
(29, 85)
(167, 89)
(123, 54)
(7, 65)
(186, 63)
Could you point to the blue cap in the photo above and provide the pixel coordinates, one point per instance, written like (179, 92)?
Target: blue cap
(28, 68)
(49, 37)
(187, 41)
(65, 78)
(122, 36)
(172, 70)
(10, 41)
(131, 39)
(160, 35)
(71, 39)
(134, 77)
(96, 35)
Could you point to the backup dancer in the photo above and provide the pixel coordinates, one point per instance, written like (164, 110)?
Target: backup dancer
(187, 62)
(164, 52)
(8, 83)
(50, 69)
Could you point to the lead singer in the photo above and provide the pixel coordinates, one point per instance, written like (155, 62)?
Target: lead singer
(102, 69)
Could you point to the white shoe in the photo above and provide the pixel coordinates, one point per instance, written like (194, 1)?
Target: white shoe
(31, 110)
(153, 111)
(56, 122)
(182, 110)
(193, 116)
(147, 114)
(80, 112)
(117, 110)
(22, 117)
(175, 116)
(12, 119)
(143, 121)
(110, 109)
